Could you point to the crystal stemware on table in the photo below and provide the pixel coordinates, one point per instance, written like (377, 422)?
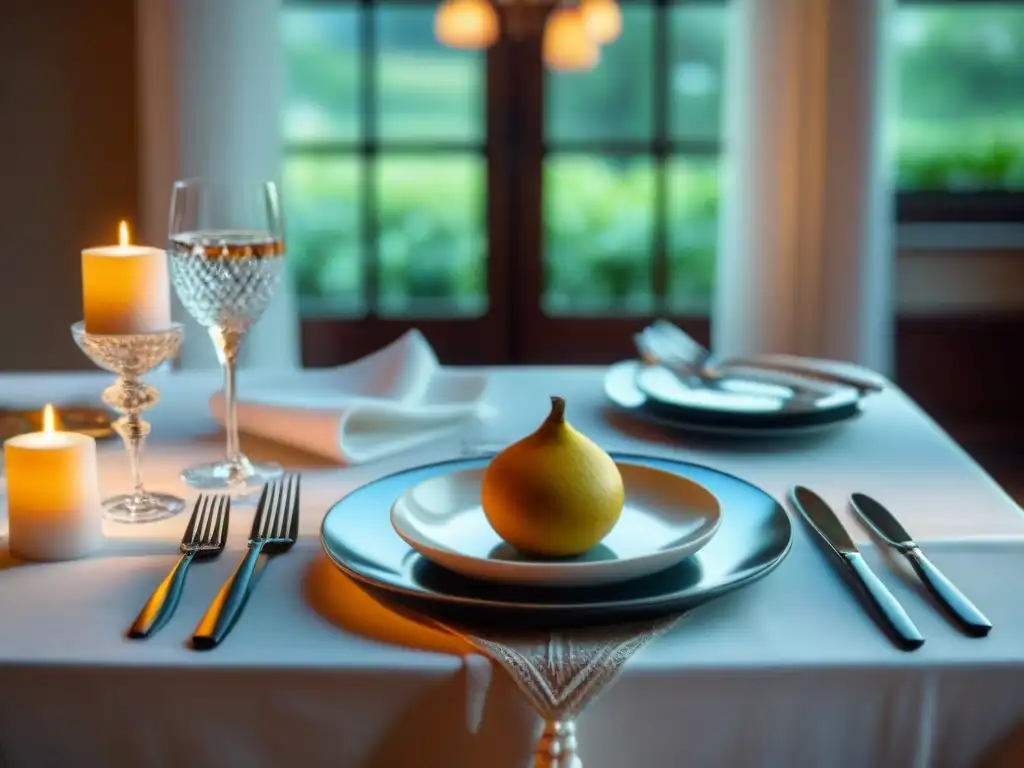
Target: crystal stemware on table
(130, 356)
(226, 254)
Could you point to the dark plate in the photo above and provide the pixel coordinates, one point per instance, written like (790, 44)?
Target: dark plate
(753, 538)
(620, 385)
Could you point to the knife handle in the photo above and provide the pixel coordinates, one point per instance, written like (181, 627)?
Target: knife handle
(907, 636)
(227, 605)
(862, 384)
(161, 604)
(963, 610)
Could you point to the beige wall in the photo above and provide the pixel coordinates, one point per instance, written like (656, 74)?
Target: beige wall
(67, 163)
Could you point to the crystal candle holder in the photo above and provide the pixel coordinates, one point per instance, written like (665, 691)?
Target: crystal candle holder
(131, 356)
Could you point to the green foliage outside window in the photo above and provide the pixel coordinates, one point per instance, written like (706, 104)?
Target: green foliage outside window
(960, 126)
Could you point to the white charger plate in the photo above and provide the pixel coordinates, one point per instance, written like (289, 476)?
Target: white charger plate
(666, 518)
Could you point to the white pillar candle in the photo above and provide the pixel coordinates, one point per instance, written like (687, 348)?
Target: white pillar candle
(53, 501)
(125, 288)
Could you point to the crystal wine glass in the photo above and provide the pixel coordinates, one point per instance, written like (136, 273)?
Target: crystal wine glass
(226, 253)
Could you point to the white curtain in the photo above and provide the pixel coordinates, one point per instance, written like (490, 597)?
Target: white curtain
(806, 250)
(209, 93)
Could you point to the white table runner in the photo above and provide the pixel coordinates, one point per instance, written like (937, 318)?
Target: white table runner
(789, 672)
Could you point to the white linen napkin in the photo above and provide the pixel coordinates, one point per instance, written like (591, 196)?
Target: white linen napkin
(390, 401)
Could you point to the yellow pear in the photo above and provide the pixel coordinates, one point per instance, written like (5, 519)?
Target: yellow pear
(554, 493)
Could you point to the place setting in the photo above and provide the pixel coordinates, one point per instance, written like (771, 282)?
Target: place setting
(679, 384)
(554, 542)
(561, 560)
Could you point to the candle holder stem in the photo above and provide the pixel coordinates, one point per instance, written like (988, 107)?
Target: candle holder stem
(131, 396)
(130, 356)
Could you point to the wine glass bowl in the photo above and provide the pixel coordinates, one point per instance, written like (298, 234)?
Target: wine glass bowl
(226, 278)
(227, 255)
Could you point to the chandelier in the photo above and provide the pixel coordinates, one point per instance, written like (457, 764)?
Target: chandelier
(573, 32)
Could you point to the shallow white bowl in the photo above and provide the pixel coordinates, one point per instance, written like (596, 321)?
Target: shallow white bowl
(666, 519)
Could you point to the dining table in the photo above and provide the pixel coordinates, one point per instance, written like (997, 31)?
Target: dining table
(789, 671)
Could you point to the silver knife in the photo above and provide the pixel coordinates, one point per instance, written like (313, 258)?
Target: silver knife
(825, 522)
(888, 528)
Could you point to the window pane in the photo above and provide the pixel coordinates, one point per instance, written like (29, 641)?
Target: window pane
(696, 74)
(961, 97)
(321, 72)
(432, 235)
(613, 100)
(425, 90)
(323, 213)
(598, 227)
(692, 220)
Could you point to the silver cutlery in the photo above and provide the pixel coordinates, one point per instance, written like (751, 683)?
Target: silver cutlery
(668, 344)
(657, 348)
(824, 521)
(204, 539)
(889, 529)
(275, 527)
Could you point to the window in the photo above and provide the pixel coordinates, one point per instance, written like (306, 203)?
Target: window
(386, 174)
(630, 168)
(470, 193)
(960, 117)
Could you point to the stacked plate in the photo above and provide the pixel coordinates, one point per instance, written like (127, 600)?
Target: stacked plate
(743, 404)
(687, 534)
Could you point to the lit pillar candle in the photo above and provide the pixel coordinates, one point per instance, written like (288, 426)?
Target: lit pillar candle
(53, 501)
(125, 288)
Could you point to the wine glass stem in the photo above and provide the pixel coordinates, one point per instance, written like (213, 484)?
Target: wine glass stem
(231, 411)
(227, 343)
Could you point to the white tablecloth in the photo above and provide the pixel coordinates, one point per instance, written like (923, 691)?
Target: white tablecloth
(788, 672)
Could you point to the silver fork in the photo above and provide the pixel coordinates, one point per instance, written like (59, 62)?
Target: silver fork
(203, 539)
(274, 530)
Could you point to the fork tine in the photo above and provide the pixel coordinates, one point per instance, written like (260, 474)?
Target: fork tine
(208, 513)
(291, 506)
(223, 514)
(261, 511)
(293, 529)
(190, 530)
(279, 506)
(204, 519)
(283, 522)
(274, 509)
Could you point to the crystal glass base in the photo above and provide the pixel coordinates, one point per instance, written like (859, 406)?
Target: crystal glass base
(129, 508)
(231, 474)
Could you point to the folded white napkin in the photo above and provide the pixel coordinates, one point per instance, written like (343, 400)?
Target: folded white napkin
(393, 400)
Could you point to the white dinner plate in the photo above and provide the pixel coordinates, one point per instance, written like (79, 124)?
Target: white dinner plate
(666, 518)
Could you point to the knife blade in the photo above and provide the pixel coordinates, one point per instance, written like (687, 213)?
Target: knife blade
(889, 529)
(891, 614)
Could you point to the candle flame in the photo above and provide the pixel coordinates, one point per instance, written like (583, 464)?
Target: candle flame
(49, 419)
(122, 232)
